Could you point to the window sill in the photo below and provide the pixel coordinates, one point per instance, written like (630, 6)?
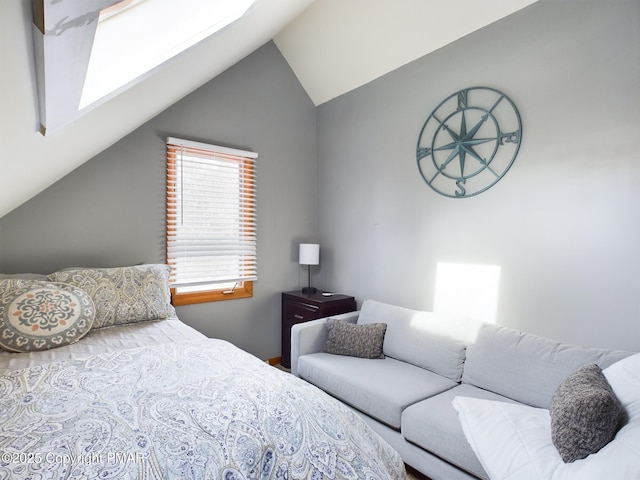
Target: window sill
(178, 299)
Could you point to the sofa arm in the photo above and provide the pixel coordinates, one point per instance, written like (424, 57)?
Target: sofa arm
(309, 337)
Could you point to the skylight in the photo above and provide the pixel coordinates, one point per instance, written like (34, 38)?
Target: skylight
(141, 34)
(87, 52)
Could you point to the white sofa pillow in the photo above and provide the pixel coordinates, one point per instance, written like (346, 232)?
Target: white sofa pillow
(513, 442)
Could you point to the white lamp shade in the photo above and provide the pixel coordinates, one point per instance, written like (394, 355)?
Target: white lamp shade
(309, 254)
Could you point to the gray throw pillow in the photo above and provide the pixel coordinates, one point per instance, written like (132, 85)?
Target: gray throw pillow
(585, 414)
(363, 341)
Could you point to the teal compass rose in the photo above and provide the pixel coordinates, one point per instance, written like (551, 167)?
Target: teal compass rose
(469, 142)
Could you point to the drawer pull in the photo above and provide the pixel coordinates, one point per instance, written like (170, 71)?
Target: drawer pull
(298, 317)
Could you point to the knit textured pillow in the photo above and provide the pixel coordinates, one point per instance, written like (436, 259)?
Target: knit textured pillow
(585, 414)
(363, 341)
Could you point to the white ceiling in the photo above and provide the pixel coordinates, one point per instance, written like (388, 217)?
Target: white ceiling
(333, 47)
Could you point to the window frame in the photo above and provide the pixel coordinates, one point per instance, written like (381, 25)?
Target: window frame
(243, 288)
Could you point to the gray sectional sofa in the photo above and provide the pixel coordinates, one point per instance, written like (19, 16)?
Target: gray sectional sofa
(428, 361)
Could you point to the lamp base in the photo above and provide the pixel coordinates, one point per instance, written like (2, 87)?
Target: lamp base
(309, 290)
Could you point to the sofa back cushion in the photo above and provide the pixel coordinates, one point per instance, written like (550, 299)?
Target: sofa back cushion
(424, 339)
(525, 367)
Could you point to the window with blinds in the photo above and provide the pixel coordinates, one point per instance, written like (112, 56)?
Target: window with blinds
(211, 222)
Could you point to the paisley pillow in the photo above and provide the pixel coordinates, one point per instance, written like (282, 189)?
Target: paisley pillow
(23, 276)
(123, 295)
(11, 280)
(37, 315)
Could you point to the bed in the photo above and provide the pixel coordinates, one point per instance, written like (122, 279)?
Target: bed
(137, 394)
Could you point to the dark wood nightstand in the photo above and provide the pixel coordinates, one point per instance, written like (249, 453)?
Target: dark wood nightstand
(298, 307)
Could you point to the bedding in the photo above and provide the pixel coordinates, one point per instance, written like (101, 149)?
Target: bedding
(105, 340)
(199, 408)
(141, 395)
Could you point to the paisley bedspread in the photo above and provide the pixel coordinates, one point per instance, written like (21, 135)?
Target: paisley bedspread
(191, 410)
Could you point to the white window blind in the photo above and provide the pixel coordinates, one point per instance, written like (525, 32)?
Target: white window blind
(211, 214)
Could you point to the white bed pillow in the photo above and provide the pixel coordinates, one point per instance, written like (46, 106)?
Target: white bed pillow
(513, 442)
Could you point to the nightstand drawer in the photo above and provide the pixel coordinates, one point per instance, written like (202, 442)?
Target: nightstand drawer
(299, 312)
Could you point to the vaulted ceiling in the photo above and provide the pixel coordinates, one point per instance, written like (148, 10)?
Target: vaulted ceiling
(333, 46)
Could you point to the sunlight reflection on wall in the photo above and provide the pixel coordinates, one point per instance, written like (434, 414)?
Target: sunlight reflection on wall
(468, 290)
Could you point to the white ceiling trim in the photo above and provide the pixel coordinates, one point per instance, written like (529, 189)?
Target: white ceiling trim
(63, 35)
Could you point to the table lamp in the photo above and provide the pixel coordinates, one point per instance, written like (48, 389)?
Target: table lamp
(309, 255)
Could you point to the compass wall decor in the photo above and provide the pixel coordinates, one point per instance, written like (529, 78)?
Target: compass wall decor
(469, 142)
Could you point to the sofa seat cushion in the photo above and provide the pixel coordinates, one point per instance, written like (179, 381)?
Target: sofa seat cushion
(525, 367)
(433, 425)
(380, 388)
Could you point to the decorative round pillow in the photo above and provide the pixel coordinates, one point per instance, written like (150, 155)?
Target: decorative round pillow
(37, 315)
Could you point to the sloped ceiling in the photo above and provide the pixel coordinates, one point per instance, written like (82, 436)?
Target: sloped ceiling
(333, 47)
(30, 162)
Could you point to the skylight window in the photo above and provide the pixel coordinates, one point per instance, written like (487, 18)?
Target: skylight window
(134, 37)
(88, 51)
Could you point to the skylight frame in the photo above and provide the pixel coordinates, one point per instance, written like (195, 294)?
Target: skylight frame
(63, 38)
(127, 46)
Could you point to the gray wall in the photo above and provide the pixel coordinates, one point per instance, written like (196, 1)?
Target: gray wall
(563, 224)
(110, 211)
